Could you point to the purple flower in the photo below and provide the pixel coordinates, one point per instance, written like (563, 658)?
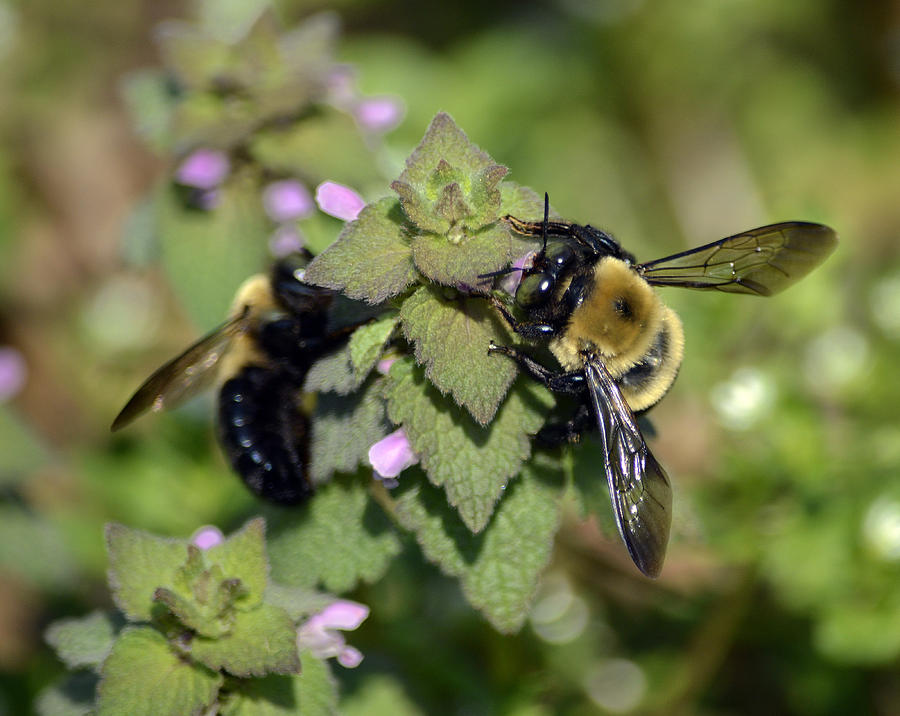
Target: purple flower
(207, 536)
(203, 169)
(511, 281)
(390, 456)
(384, 365)
(286, 239)
(287, 200)
(338, 200)
(13, 373)
(319, 634)
(379, 114)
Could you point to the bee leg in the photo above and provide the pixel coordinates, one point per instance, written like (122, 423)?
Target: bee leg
(556, 434)
(572, 383)
(529, 331)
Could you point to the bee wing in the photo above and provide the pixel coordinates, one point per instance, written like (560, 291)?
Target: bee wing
(638, 486)
(184, 376)
(761, 261)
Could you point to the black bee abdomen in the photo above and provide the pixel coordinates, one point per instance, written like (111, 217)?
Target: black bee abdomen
(264, 434)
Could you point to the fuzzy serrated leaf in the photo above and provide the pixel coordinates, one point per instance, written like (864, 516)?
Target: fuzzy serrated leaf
(451, 339)
(472, 463)
(371, 259)
(262, 641)
(298, 602)
(486, 195)
(418, 209)
(343, 429)
(443, 141)
(142, 676)
(312, 693)
(499, 568)
(451, 204)
(85, 641)
(72, 696)
(139, 563)
(521, 202)
(332, 374)
(243, 556)
(190, 615)
(338, 539)
(367, 344)
(461, 264)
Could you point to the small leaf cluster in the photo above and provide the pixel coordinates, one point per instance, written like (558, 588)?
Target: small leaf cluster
(421, 257)
(197, 631)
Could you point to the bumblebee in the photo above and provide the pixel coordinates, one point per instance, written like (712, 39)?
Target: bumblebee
(620, 346)
(260, 356)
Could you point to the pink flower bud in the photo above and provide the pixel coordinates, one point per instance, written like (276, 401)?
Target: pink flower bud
(339, 201)
(392, 455)
(207, 536)
(319, 634)
(379, 114)
(287, 200)
(13, 373)
(203, 169)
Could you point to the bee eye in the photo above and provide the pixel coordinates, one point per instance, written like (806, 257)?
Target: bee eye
(559, 257)
(534, 290)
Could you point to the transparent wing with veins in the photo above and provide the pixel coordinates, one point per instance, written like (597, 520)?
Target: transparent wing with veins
(638, 486)
(760, 261)
(185, 375)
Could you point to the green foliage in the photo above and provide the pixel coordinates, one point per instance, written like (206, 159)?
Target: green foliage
(342, 538)
(196, 621)
(499, 568)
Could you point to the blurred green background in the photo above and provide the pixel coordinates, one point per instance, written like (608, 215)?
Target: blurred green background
(669, 123)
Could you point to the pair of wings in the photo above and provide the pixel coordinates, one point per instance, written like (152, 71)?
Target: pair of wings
(761, 261)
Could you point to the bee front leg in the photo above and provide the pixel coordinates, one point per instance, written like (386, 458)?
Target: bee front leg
(530, 331)
(556, 382)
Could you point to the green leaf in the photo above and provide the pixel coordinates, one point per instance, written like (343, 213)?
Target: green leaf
(207, 255)
(443, 142)
(521, 202)
(243, 556)
(298, 602)
(85, 641)
(499, 568)
(367, 344)
(451, 340)
(139, 563)
(23, 534)
(22, 451)
(472, 463)
(229, 19)
(337, 539)
(312, 693)
(462, 263)
(380, 695)
(143, 676)
(72, 696)
(151, 105)
(262, 641)
(371, 259)
(419, 210)
(328, 145)
(343, 430)
(332, 374)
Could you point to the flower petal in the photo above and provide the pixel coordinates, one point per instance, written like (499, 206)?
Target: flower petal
(287, 200)
(392, 455)
(13, 373)
(207, 536)
(203, 169)
(339, 200)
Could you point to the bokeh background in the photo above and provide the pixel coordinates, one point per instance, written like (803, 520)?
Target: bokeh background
(669, 123)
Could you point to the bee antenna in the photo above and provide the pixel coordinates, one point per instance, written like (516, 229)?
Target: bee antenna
(546, 220)
(501, 272)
